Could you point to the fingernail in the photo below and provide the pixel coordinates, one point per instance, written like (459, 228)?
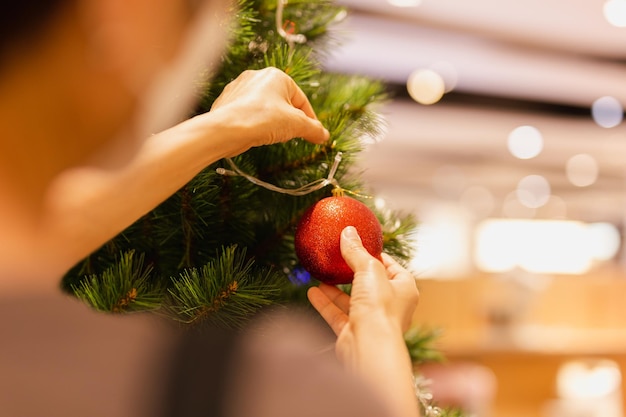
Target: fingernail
(351, 233)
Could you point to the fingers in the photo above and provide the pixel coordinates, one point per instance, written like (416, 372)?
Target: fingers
(332, 314)
(394, 269)
(307, 126)
(398, 274)
(298, 99)
(338, 297)
(310, 129)
(273, 106)
(315, 131)
(406, 286)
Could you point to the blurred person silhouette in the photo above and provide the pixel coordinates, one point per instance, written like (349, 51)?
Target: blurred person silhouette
(83, 87)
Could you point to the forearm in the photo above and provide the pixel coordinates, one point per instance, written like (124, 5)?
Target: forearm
(88, 206)
(381, 356)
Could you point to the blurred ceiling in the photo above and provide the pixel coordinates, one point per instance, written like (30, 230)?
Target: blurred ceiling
(538, 62)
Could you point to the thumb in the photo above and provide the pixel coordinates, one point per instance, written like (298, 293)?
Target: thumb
(353, 251)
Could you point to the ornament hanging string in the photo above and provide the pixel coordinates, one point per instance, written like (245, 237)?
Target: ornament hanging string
(290, 37)
(305, 189)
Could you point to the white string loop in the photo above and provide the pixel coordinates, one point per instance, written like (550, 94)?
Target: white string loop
(291, 38)
(305, 189)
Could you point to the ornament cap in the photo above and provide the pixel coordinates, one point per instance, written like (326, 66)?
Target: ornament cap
(338, 191)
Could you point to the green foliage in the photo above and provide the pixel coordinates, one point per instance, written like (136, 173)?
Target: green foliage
(451, 412)
(225, 291)
(222, 247)
(398, 234)
(121, 288)
(420, 342)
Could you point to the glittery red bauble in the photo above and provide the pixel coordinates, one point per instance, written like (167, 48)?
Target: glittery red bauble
(319, 231)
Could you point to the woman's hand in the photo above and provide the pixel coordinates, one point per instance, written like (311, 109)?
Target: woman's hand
(384, 296)
(264, 107)
(370, 323)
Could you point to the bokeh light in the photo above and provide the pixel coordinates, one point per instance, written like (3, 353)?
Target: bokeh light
(604, 240)
(426, 86)
(615, 12)
(533, 191)
(442, 243)
(525, 142)
(582, 170)
(592, 379)
(607, 112)
(538, 246)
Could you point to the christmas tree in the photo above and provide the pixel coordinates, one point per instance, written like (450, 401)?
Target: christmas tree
(222, 247)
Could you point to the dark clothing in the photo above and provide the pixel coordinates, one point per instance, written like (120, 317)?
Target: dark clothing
(59, 358)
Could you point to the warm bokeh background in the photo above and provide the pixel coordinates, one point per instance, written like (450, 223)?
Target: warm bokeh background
(505, 138)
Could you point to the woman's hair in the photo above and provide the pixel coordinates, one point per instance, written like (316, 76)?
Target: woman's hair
(22, 21)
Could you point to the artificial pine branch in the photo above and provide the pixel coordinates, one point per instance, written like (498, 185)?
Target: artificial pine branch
(226, 291)
(420, 342)
(398, 234)
(122, 288)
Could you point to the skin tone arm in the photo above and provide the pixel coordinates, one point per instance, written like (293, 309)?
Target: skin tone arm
(88, 206)
(371, 322)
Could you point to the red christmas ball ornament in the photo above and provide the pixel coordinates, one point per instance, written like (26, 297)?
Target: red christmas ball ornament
(318, 234)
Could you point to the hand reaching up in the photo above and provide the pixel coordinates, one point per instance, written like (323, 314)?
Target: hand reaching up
(264, 107)
(371, 322)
